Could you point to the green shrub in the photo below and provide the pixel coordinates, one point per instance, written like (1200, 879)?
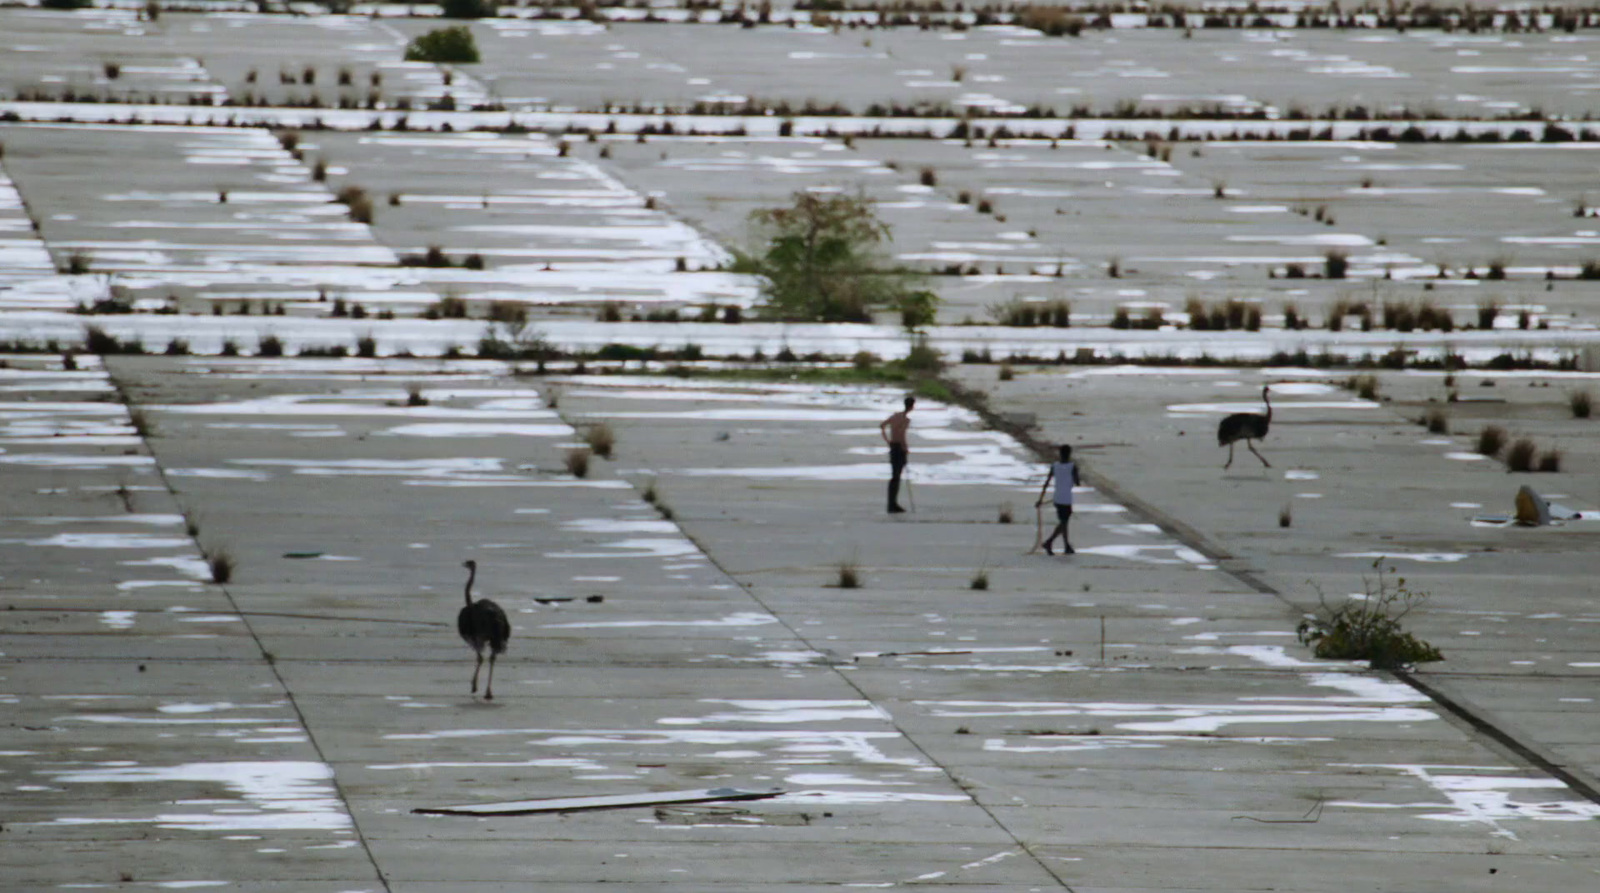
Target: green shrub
(823, 259)
(444, 45)
(1370, 628)
(923, 357)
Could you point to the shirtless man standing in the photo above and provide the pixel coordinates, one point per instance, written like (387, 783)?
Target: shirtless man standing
(894, 430)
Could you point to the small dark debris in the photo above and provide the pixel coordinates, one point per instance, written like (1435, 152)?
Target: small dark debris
(595, 599)
(302, 554)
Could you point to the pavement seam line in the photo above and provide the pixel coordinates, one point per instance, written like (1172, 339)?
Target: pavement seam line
(271, 660)
(832, 666)
(1471, 718)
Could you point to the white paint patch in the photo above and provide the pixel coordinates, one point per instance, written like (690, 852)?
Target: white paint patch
(859, 798)
(109, 541)
(750, 618)
(638, 547)
(477, 429)
(795, 746)
(1190, 718)
(1195, 409)
(268, 796)
(118, 619)
(1485, 795)
(220, 474)
(1425, 557)
(784, 711)
(192, 567)
(1154, 553)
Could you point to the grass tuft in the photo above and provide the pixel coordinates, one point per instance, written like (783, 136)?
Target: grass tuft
(1521, 454)
(1581, 403)
(222, 565)
(1550, 460)
(141, 423)
(1286, 516)
(578, 462)
(1005, 516)
(1437, 421)
(1491, 440)
(980, 580)
(1365, 386)
(601, 439)
(849, 576)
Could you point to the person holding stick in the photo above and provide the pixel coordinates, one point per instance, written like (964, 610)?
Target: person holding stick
(894, 430)
(1065, 475)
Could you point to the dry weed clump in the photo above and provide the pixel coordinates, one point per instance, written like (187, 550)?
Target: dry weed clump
(578, 462)
(1550, 460)
(1491, 440)
(1370, 628)
(1581, 403)
(1521, 454)
(601, 439)
(848, 576)
(1365, 385)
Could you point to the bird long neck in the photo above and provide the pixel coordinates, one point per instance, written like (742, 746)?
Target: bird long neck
(1265, 399)
(472, 574)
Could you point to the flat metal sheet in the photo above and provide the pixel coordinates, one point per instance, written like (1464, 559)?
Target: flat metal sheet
(612, 801)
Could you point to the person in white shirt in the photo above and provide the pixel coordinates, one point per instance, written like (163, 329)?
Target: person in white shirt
(1065, 475)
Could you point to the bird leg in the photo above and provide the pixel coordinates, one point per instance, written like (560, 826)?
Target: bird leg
(475, 673)
(1230, 457)
(1263, 459)
(488, 687)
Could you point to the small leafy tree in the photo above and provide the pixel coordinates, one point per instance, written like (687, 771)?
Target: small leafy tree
(454, 44)
(821, 260)
(1370, 628)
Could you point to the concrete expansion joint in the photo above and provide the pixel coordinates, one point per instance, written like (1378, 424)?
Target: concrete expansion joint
(1502, 734)
(1472, 718)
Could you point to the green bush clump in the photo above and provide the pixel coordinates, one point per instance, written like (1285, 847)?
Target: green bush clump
(823, 258)
(444, 45)
(1370, 628)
